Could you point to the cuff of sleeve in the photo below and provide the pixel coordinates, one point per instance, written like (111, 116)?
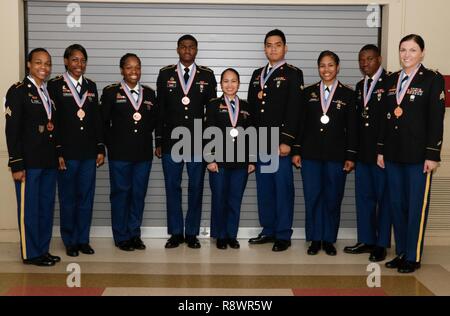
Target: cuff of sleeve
(101, 149)
(295, 151)
(380, 149)
(59, 151)
(158, 141)
(287, 139)
(351, 155)
(433, 154)
(16, 165)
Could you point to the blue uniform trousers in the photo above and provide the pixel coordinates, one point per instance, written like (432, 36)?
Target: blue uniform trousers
(129, 182)
(372, 205)
(227, 187)
(323, 187)
(76, 188)
(276, 199)
(172, 177)
(36, 204)
(409, 193)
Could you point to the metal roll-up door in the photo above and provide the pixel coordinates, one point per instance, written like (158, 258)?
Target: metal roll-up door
(229, 36)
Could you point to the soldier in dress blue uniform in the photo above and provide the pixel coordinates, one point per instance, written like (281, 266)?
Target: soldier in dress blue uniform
(274, 95)
(410, 147)
(372, 203)
(80, 148)
(326, 151)
(184, 90)
(130, 113)
(30, 137)
(228, 177)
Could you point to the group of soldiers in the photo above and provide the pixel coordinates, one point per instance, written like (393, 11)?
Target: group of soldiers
(389, 130)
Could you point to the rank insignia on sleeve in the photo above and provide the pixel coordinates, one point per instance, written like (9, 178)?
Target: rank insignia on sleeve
(442, 97)
(8, 111)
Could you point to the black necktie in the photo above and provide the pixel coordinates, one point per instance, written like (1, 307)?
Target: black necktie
(327, 93)
(269, 70)
(186, 74)
(233, 105)
(369, 84)
(403, 81)
(134, 92)
(43, 93)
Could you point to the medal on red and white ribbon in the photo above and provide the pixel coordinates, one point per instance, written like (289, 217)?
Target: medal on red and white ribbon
(80, 102)
(136, 105)
(186, 86)
(368, 94)
(46, 101)
(233, 114)
(400, 95)
(325, 119)
(50, 126)
(263, 77)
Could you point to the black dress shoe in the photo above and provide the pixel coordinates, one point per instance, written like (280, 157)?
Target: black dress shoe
(395, 263)
(261, 239)
(53, 258)
(72, 251)
(138, 243)
(233, 243)
(41, 261)
(174, 241)
(314, 248)
(329, 248)
(281, 245)
(86, 249)
(378, 254)
(192, 242)
(359, 248)
(408, 267)
(125, 245)
(221, 244)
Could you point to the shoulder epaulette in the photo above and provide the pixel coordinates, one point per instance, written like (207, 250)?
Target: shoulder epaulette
(205, 68)
(112, 86)
(168, 67)
(310, 85)
(148, 87)
(436, 71)
(89, 80)
(18, 84)
(214, 99)
(56, 78)
(293, 67)
(347, 86)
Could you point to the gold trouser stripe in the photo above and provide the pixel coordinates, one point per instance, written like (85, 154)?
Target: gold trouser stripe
(422, 220)
(22, 220)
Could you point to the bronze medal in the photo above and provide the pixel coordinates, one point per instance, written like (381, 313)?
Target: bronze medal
(50, 126)
(186, 100)
(398, 111)
(137, 116)
(260, 95)
(81, 114)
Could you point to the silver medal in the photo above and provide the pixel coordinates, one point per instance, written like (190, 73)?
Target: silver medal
(325, 119)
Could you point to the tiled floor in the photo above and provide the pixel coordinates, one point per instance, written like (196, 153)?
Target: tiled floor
(249, 271)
